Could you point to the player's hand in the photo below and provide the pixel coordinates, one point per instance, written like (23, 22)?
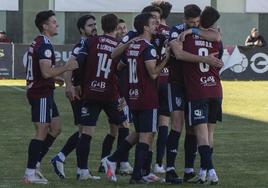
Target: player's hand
(59, 80)
(78, 92)
(183, 35)
(70, 92)
(212, 60)
(122, 104)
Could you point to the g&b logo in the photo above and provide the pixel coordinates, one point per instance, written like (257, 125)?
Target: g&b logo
(2, 53)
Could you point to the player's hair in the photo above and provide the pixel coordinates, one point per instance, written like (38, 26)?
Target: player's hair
(120, 20)
(191, 11)
(109, 23)
(42, 17)
(151, 8)
(209, 17)
(165, 6)
(82, 21)
(142, 20)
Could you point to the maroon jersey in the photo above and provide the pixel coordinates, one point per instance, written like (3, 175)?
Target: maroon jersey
(37, 86)
(142, 89)
(100, 81)
(201, 80)
(164, 30)
(164, 74)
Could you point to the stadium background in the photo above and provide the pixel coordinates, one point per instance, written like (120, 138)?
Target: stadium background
(237, 17)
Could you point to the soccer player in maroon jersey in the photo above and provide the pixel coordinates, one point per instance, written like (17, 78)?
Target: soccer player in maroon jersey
(86, 26)
(40, 73)
(158, 40)
(176, 88)
(163, 114)
(123, 165)
(204, 94)
(99, 86)
(143, 98)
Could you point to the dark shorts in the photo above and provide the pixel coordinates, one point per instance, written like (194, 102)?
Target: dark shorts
(43, 109)
(176, 98)
(204, 111)
(163, 100)
(76, 107)
(145, 121)
(90, 112)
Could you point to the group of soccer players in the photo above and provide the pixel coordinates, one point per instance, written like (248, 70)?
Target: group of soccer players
(147, 77)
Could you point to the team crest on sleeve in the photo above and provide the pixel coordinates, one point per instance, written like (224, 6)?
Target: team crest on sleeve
(48, 53)
(174, 35)
(153, 52)
(125, 38)
(76, 50)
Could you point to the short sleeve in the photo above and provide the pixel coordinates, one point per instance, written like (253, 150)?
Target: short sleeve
(130, 35)
(45, 51)
(149, 53)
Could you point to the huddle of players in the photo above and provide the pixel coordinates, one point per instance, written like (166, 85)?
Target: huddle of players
(144, 55)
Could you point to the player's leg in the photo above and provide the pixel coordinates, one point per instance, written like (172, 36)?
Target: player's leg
(107, 144)
(124, 166)
(163, 122)
(190, 150)
(198, 119)
(89, 116)
(145, 122)
(215, 114)
(40, 109)
(176, 107)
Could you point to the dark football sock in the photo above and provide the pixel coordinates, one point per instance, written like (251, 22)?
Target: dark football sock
(83, 149)
(70, 145)
(172, 147)
(123, 148)
(190, 149)
(34, 151)
(140, 156)
(161, 144)
(107, 145)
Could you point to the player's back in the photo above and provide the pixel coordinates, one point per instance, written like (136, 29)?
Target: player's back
(100, 81)
(201, 80)
(142, 89)
(37, 85)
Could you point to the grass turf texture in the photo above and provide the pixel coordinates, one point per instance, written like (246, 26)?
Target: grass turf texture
(241, 152)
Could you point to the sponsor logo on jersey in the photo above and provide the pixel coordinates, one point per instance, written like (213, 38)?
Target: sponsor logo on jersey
(84, 112)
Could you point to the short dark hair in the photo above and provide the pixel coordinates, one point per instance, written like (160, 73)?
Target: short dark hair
(191, 11)
(209, 17)
(82, 21)
(151, 8)
(120, 20)
(109, 23)
(142, 20)
(43, 17)
(165, 6)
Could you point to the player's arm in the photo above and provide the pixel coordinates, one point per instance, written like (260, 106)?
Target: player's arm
(208, 34)
(48, 71)
(124, 44)
(180, 54)
(150, 63)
